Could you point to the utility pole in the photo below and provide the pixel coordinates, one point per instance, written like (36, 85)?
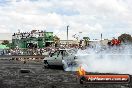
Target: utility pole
(101, 39)
(67, 33)
(101, 36)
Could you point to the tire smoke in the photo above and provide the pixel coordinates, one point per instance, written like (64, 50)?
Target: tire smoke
(114, 59)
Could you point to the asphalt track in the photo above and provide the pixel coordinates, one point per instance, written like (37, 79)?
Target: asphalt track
(38, 77)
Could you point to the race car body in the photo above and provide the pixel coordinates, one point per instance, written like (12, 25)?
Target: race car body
(60, 58)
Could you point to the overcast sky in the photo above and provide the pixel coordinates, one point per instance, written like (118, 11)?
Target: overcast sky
(91, 17)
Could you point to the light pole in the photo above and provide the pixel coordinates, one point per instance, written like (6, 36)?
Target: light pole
(101, 36)
(80, 40)
(67, 33)
(80, 35)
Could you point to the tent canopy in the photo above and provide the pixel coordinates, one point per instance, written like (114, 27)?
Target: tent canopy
(3, 47)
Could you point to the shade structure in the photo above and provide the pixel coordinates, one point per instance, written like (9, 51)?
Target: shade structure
(3, 47)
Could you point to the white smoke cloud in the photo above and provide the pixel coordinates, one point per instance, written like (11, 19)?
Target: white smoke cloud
(110, 60)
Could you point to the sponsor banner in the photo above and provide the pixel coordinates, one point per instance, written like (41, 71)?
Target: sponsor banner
(107, 78)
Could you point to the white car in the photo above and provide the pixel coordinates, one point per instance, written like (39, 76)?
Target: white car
(61, 57)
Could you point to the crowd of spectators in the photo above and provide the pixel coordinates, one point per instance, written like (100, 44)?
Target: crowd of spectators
(37, 51)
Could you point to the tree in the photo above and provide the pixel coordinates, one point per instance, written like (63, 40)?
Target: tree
(33, 31)
(86, 40)
(5, 42)
(125, 38)
(56, 40)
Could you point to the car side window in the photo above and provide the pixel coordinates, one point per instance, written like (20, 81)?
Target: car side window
(56, 53)
(61, 53)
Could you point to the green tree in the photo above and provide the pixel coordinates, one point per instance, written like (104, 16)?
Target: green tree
(86, 40)
(56, 40)
(5, 42)
(125, 38)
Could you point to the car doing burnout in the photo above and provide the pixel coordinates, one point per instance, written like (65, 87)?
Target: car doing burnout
(61, 57)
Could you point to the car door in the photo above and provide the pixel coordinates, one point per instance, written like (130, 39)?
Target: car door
(68, 58)
(53, 58)
(59, 58)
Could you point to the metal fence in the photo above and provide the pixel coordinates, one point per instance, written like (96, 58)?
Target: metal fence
(42, 51)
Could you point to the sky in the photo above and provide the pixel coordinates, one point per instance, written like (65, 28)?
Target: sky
(91, 17)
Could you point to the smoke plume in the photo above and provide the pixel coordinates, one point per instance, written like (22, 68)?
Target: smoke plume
(104, 59)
